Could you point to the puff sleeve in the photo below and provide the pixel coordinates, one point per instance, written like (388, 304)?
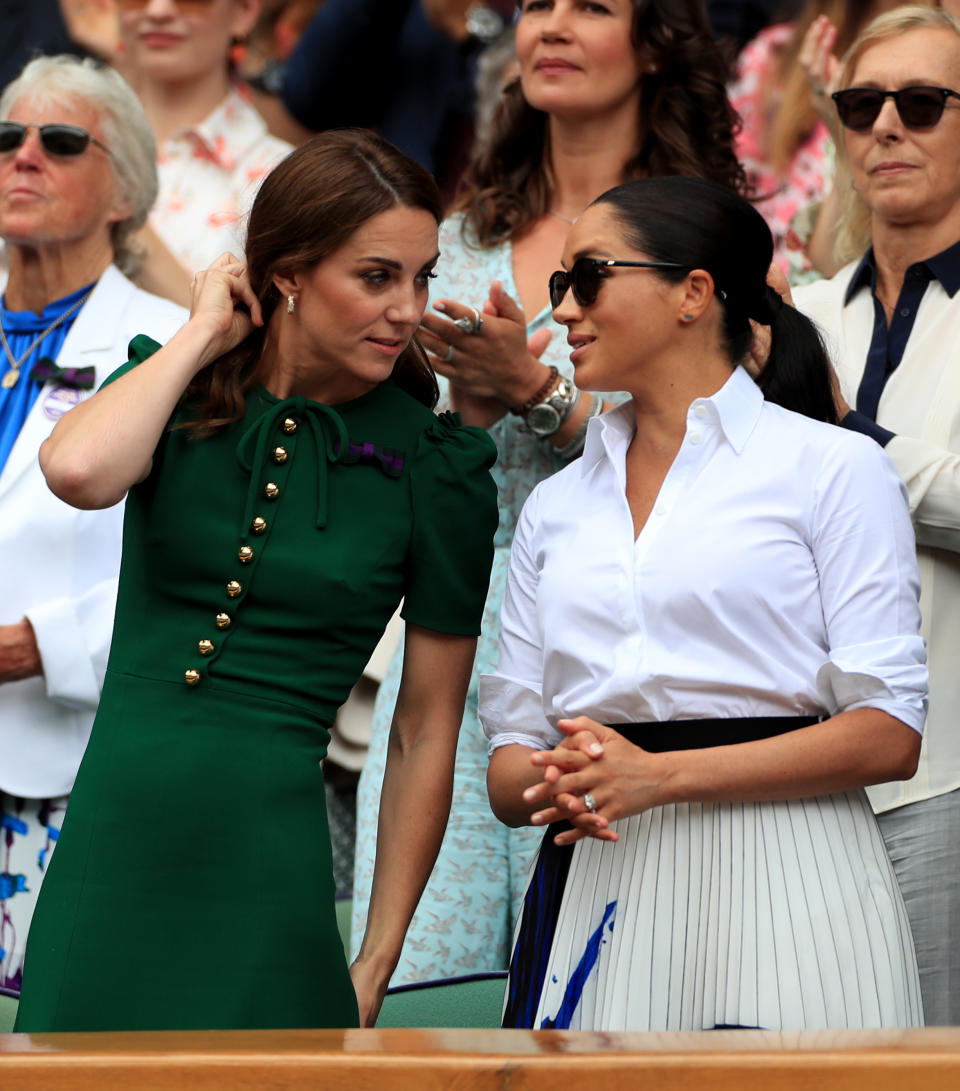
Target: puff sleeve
(454, 519)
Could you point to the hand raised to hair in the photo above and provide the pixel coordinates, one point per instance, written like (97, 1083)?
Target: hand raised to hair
(223, 300)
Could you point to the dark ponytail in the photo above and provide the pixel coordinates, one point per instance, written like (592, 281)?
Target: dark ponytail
(702, 225)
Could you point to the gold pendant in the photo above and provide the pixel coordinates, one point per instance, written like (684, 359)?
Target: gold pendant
(10, 379)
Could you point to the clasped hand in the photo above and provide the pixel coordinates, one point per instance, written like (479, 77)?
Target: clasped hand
(622, 779)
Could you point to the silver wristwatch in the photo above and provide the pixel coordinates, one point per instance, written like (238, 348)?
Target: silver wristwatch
(547, 416)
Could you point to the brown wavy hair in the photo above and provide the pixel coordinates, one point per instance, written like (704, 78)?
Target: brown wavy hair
(686, 126)
(308, 207)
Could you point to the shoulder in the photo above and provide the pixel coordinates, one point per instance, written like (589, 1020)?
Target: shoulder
(447, 439)
(821, 296)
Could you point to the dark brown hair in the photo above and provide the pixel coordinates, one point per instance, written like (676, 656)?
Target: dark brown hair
(686, 125)
(307, 208)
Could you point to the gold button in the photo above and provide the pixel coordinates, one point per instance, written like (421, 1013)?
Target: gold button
(205, 647)
(259, 525)
(234, 587)
(191, 677)
(289, 425)
(271, 490)
(245, 554)
(223, 620)
(279, 454)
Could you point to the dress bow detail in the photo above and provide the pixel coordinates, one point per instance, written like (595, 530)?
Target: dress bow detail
(330, 437)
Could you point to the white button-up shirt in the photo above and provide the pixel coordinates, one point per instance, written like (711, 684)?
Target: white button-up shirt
(775, 576)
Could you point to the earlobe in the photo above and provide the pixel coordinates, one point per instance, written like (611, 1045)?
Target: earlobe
(698, 290)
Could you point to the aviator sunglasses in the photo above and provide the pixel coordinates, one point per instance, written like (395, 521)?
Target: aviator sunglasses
(59, 140)
(918, 107)
(587, 275)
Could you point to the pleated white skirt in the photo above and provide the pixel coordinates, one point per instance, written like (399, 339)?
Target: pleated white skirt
(776, 915)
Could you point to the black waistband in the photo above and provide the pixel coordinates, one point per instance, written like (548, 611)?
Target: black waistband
(699, 734)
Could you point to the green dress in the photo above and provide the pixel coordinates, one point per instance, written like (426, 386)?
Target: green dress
(192, 884)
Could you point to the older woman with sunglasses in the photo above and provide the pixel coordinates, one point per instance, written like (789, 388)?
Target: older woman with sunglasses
(730, 586)
(892, 321)
(77, 178)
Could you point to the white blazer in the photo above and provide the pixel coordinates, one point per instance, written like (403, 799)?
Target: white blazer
(59, 564)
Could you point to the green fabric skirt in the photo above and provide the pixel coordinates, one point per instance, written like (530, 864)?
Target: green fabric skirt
(192, 887)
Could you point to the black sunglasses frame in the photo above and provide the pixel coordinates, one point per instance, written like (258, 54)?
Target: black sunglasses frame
(586, 285)
(844, 101)
(49, 135)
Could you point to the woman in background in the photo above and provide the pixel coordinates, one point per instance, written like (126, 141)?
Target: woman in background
(605, 92)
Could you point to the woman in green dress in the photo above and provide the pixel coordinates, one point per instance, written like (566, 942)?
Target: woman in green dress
(287, 483)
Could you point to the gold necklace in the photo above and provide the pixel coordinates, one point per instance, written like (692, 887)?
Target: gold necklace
(11, 378)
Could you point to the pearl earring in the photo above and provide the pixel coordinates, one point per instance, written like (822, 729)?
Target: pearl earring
(291, 303)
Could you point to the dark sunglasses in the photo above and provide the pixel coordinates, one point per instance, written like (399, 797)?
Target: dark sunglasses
(587, 275)
(918, 107)
(60, 140)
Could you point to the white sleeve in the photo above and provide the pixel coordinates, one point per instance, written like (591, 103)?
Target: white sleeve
(73, 635)
(864, 549)
(932, 477)
(511, 701)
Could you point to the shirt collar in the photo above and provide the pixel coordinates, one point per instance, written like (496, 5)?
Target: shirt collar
(227, 132)
(944, 267)
(736, 406)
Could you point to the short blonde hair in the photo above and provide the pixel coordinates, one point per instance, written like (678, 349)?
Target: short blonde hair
(133, 153)
(854, 233)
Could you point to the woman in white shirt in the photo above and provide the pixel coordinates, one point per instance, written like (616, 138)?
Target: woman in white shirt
(733, 585)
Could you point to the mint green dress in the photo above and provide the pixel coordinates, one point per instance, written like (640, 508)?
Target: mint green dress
(192, 885)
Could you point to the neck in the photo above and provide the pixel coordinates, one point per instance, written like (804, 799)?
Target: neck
(667, 386)
(171, 107)
(587, 156)
(898, 246)
(287, 369)
(39, 276)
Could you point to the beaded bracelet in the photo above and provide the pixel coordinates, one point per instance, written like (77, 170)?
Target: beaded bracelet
(523, 410)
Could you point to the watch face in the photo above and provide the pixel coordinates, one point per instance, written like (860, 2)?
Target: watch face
(543, 420)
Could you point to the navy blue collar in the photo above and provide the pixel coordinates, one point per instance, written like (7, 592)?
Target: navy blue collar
(944, 267)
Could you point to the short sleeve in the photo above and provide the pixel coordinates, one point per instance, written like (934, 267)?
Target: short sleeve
(454, 521)
(139, 349)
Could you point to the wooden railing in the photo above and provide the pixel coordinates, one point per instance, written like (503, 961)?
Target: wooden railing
(483, 1060)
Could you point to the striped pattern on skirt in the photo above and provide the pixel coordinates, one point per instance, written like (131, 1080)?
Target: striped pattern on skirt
(778, 914)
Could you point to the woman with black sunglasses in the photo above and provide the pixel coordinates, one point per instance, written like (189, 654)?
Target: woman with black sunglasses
(77, 178)
(892, 320)
(606, 91)
(729, 585)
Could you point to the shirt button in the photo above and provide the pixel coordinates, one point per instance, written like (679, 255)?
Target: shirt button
(700, 411)
(191, 677)
(223, 620)
(659, 509)
(259, 525)
(695, 438)
(271, 490)
(245, 554)
(234, 587)
(289, 425)
(279, 455)
(904, 312)
(204, 647)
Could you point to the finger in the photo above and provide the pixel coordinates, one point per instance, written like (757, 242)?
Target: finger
(565, 758)
(438, 346)
(777, 280)
(538, 342)
(440, 327)
(506, 306)
(455, 311)
(584, 723)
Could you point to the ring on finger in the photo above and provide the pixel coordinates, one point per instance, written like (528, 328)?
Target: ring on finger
(589, 802)
(448, 355)
(470, 325)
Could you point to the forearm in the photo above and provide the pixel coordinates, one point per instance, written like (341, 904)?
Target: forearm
(414, 806)
(509, 774)
(850, 750)
(105, 444)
